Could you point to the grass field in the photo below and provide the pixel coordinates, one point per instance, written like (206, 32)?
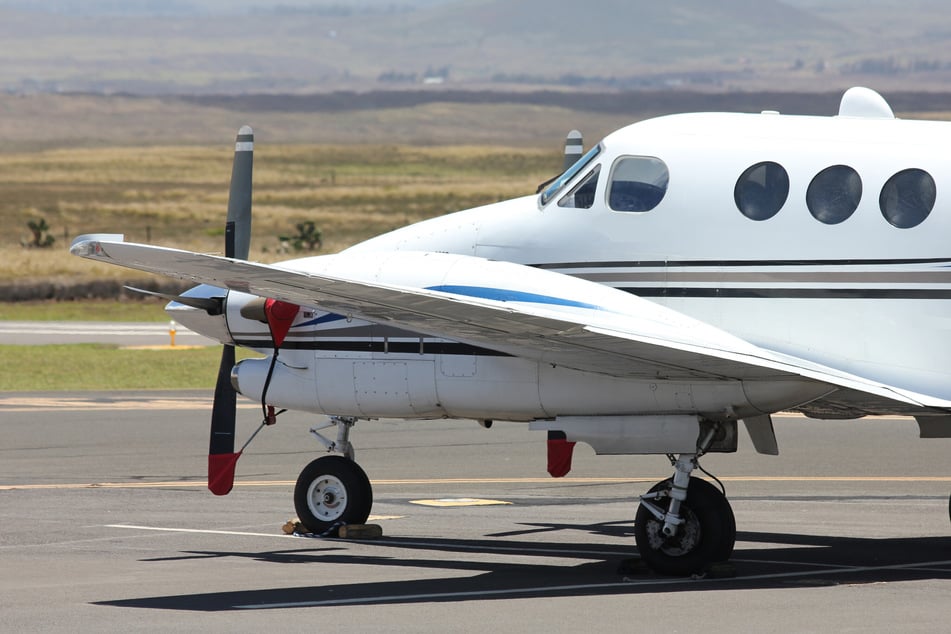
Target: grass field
(145, 310)
(177, 196)
(102, 367)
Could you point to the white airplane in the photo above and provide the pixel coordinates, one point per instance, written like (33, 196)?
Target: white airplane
(686, 273)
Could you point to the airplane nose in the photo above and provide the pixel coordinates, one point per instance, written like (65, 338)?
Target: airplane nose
(201, 320)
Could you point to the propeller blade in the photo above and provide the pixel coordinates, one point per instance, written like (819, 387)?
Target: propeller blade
(238, 226)
(221, 455)
(574, 148)
(222, 458)
(221, 472)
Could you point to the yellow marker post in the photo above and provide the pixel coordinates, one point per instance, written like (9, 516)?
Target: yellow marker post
(171, 332)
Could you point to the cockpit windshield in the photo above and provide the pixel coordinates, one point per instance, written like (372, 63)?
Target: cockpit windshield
(552, 190)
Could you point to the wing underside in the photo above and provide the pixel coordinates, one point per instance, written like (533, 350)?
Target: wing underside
(518, 310)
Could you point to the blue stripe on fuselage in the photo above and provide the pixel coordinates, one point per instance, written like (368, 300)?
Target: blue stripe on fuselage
(504, 295)
(325, 319)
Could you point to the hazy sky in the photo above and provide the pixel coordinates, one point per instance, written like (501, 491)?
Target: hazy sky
(174, 7)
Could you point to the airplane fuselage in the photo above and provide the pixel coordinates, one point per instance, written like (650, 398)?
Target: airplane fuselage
(834, 267)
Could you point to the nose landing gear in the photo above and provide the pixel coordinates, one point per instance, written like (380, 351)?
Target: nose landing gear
(333, 490)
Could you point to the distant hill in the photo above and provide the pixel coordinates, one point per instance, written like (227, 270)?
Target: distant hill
(296, 46)
(619, 39)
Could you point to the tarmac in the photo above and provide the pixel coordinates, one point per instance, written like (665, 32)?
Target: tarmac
(106, 525)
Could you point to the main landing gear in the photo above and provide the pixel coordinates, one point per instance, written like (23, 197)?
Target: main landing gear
(684, 524)
(333, 490)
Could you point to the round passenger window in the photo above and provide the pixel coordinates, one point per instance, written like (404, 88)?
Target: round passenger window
(638, 183)
(834, 194)
(907, 198)
(761, 190)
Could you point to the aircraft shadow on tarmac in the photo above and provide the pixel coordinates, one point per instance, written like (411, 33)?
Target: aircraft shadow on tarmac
(783, 561)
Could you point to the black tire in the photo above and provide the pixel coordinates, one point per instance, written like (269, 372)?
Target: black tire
(706, 537)
(332, 491)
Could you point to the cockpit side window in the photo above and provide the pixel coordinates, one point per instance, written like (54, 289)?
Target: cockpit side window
(552, 190)
(638, 183)
(582, 196)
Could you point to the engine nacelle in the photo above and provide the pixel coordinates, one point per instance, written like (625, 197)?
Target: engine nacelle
(492, 387)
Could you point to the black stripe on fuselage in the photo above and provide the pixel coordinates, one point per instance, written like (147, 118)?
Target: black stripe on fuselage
(392, 347)
(779, 292)
(735, 263)
(788, 293)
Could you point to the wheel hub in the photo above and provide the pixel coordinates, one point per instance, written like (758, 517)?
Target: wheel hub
(685, 541)
(327, 498)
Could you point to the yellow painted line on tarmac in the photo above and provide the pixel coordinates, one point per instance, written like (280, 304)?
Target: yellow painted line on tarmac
(162, 347)
(101, 485)
(84, 404)
(280, 483)
(380, 518)
(462, 481)
(837, 479)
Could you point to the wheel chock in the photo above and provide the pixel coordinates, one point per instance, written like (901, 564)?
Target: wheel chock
(293, 526)
(344, 531)
(360, 531)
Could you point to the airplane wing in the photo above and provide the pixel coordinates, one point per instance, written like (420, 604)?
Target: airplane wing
(511, 308)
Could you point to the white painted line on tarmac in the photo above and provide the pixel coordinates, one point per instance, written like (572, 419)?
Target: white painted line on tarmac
(384, 542)
(457, 502)
(208, 531)
(204, 531)
(91, 328)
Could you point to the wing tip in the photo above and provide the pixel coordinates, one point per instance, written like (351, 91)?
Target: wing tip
(89, 244)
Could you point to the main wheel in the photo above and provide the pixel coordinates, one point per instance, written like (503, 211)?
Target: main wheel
(330, 491)
(706, 537)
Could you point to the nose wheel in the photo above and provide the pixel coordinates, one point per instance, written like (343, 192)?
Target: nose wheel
(332, 491)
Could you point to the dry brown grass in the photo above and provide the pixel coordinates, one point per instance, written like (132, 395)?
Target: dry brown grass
(177, 196)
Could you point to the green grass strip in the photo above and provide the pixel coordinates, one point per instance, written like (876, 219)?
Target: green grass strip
(106, 367)
(86, 310)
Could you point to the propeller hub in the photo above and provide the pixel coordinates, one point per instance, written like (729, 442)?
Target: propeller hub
(199, 320)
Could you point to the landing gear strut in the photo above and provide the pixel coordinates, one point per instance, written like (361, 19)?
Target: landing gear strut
(684, 524)
(333, 490)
